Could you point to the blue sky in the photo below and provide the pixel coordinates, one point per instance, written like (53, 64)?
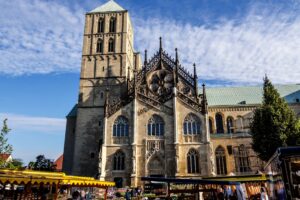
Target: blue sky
(233, 42)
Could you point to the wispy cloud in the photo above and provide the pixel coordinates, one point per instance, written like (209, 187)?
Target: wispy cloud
(239, 51)
(43, 36)
(39, 37)
(28, 124)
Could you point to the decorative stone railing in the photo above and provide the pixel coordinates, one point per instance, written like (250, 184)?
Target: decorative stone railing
(154, 145)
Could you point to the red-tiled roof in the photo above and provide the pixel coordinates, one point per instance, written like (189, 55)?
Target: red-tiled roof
(4, 156)
(59, 162)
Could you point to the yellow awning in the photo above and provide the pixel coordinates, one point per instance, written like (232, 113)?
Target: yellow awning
(59, 178)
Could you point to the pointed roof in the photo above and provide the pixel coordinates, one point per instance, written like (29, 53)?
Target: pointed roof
(110, 6)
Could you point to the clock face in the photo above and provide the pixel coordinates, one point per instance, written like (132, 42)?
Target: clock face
(160, 82)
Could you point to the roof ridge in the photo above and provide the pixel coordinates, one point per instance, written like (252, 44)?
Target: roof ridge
(253, 86)
(109, 6)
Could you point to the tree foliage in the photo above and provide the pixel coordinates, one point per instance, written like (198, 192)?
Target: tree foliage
(274, 124)
(42, 164)
(14, 164)
(4, 146)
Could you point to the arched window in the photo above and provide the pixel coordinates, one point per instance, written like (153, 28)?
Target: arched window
(99, 46)
(241, 156)
(119, 161)
(121, 127)
(156, 126)
(210, 123)
(111, 45)
(100, 25)
(193, 162)
(219, 123)
(112, 25)
(221, 161)
(240, 124)
(230, 127)
(191, 125)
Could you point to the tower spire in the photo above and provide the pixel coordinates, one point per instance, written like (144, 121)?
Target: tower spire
(160, 53)
(204, 100)
(160, 44)
(145, 60)
(176, 68)
(195, 81)
(135, 82)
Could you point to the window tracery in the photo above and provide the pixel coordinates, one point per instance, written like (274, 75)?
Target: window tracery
(111, 45)
(191, 125)
(121, 127)
(221, 161)
(112, 25)
(100, 25)
(99, 46)
(156, 126)
(193, 162)
(119, 161)
(241, 156)
(230, 127)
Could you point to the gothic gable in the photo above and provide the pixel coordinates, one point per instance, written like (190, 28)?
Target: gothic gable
(154, 84)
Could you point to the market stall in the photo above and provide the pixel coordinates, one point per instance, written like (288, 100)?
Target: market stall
(28, 184)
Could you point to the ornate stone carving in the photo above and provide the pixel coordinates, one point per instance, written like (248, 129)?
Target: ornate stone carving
(154, 84)
(160, 82)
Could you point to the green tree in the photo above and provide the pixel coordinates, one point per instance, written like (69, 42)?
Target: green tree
(4, 146)
(14, 164)
(274, 124)
(42, 164)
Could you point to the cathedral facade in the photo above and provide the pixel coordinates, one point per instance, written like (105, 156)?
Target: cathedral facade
(149, 118)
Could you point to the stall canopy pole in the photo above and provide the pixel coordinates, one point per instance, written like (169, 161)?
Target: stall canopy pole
(105, 194)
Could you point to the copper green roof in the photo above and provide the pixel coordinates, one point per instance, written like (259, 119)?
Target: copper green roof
(249, 95)
(234, 96)
(110, 6)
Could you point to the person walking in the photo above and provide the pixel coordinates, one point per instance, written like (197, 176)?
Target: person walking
(263, 194)
(127, 195)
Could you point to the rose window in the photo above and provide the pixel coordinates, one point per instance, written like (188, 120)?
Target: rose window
(160, 82)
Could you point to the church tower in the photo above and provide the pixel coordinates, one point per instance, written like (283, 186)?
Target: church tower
(108, 64)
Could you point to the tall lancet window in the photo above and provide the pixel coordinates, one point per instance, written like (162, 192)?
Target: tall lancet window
(99, 46)
(221, 161)
(111, 45)
(101, 25)
(219, 123)
(121, 127)
(241, 156)
(156, 126)
(193, 162)
(230, 127)
(112, 25)
(191, 125)
(210, 123)
(119, 161)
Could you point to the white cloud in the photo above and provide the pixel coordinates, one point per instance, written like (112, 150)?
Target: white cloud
(39, 37)
(43, 36)
(28, 124)
(239, 52)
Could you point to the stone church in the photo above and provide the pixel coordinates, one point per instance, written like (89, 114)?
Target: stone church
(139, 118)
